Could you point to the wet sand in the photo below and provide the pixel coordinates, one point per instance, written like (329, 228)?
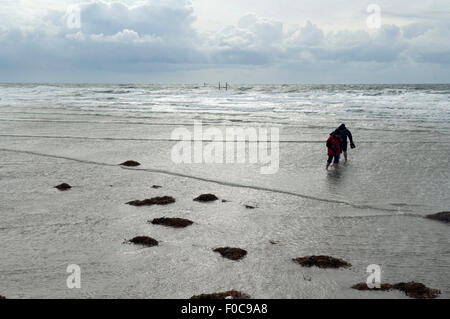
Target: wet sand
(44, 229)
(372, 211)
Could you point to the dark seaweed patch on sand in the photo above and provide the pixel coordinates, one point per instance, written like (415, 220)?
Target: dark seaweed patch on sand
(442, 217)
(63, 187)
(206, 198)
(130, 164)
(231, 253)
(144, 240)
(363, 287)
(411, 289)
(233, 294)
(417, 290)
(321, 262)
(165, 200)
(172, 222)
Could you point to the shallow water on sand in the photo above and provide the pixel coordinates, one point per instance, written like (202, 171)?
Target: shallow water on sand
(369, 212)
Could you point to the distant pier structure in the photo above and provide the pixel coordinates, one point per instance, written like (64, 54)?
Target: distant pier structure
(221, 86)
(226, 86)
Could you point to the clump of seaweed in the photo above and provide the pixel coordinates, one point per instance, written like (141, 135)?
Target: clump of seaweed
(233, 294)
(206, 198)
(172, 222)
(442, 217)
(165, 200)
(63, 187)
(411, 289)
(417, 290)
(231, 253)
(321, 262)
(130, 164)
(145, 241)
(363, 286)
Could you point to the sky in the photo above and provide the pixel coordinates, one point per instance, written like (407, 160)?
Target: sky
(238, 41)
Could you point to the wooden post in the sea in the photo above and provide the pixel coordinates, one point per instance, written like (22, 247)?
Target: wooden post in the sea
(219, 86)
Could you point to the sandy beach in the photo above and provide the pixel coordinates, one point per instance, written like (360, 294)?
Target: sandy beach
(369, 212)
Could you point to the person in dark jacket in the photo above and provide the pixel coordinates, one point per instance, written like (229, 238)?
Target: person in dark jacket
(344, 133)
(334, 149)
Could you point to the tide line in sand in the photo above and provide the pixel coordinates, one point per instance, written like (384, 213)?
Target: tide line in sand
(204, 179)
(201, 140)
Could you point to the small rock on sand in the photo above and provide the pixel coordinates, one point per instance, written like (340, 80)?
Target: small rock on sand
(322, 262)
(231, 253)
(130, 164)
(411, 289)
(172, 222)
(63, 187)
(443, 217)
(165, 200)
(156, 187)
(232, 294)
(206, 198)
(144, 240)
(250, 207)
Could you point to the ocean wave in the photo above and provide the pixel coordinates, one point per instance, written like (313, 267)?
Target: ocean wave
(359, 102)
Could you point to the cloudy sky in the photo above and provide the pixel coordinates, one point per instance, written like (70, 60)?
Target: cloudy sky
(239, 41)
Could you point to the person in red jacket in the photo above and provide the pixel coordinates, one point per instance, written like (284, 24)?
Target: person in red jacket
(334, 149)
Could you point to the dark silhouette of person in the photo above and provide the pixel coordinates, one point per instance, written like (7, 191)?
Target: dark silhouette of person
(344, 133)
(334, 149)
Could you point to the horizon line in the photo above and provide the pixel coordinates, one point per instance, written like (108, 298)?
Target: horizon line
(229, 85)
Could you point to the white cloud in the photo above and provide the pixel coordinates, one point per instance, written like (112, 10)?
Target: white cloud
(171, 19)
(267, 32)
(160, 36)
